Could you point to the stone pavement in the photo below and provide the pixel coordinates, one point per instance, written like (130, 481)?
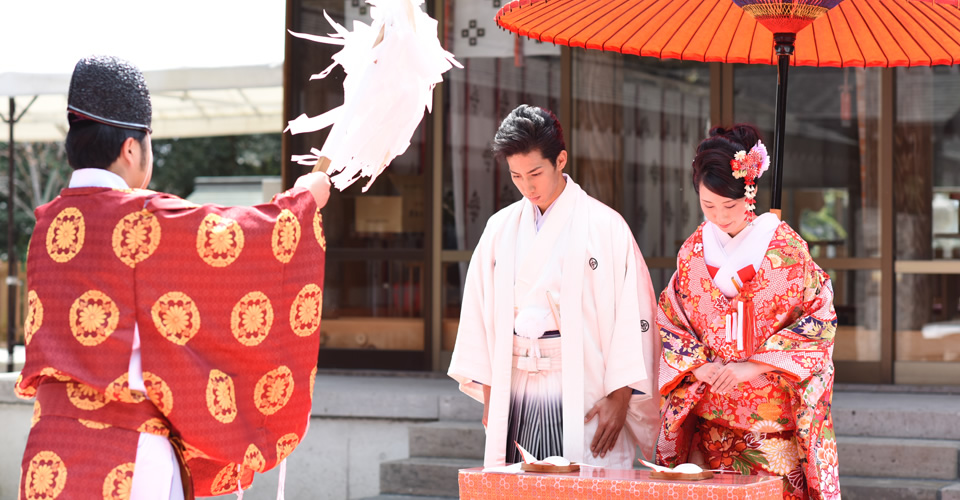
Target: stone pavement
(404, 434)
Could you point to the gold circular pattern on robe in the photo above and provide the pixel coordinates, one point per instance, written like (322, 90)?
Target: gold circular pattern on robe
(190, 452)
(119, 390)
(285, 446)
(273, 390)
(136, 237)
(65, 235)
(318, 230)
(159, 392)
(154, 426)
(24, 391)
(286, 236)
(34, 316)
(221, 397)
(119, 482)
(57, 374)
(219, 240)
(226, 480)
(46, 476)
(253, 459)
(36, 414)
(313, 380)
(251, 319)
(176, 317)
(92, 424)
(306, 310)
(85, 397)
(93, 318)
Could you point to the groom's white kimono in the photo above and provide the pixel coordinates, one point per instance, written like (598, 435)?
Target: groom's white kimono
(608, 331)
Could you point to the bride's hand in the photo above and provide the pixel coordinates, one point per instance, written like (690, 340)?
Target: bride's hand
(708, 372)
(734, 374)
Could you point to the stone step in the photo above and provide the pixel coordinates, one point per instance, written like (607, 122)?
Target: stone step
(423, 476)
(904, 415)
(449, 438)
(459, 406)
(872, 488)
(899, 458)
(951, 492)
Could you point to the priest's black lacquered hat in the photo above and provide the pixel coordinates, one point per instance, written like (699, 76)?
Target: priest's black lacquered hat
(109, 90)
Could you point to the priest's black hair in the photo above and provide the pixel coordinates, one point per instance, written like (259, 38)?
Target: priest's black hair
(92, 144)
(711, 165)
(529, 128)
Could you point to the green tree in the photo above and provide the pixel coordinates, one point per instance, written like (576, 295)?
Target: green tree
(177, 162)
(41, 172)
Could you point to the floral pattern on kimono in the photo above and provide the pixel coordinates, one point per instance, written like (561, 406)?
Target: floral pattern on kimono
(760, 422)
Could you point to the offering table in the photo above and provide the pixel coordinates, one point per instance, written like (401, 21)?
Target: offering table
(593, 483)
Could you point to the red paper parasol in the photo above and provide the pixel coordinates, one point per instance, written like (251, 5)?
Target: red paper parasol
(839, 33)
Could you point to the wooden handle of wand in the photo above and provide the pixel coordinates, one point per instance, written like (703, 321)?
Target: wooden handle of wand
(323, 163)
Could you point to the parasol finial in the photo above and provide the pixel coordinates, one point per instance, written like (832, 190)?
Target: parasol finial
(786, 16)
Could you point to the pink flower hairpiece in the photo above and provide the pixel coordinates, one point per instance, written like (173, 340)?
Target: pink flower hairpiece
(750, 165)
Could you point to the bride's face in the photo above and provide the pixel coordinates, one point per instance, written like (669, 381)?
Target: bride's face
(729, 214)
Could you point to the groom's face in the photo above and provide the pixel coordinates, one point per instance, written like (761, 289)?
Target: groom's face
(537, 178)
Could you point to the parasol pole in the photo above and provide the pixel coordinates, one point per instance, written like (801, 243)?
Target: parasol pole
(784, 45)
(11, 250)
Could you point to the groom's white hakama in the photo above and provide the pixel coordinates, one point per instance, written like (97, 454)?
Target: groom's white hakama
(606, 315)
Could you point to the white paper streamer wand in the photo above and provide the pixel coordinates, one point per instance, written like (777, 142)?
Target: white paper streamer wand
(392, 67)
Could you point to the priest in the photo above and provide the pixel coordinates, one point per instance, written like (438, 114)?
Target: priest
(171, 347)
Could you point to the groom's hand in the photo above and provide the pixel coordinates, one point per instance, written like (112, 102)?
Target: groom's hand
(612, 412)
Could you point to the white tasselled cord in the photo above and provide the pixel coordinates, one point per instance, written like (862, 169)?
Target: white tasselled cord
(280, 482)
(733, 325)
(282, 479)
(726, 331)
(739, 326)
(239, 485)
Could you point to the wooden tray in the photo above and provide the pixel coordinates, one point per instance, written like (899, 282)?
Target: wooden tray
(679, 476)
(553, 469)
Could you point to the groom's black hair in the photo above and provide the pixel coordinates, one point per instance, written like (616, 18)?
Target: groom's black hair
(529, 128)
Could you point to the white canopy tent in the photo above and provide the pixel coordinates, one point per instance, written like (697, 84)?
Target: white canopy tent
(214, 67)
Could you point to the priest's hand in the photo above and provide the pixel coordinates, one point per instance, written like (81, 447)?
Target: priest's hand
(733, 374)
(612, 412)
(318, 183)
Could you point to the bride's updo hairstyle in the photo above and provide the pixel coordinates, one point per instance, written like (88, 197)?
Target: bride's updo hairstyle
(711, 165)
